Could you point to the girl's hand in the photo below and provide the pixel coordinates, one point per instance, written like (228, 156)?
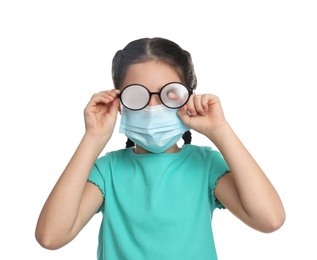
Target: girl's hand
(203, 113)
(101, 113)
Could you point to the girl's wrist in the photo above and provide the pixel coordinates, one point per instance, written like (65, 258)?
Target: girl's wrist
(220, 133)
(94, 141)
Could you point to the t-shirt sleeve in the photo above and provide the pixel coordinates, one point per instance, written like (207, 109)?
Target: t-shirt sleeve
(96, 177)
(218, 168)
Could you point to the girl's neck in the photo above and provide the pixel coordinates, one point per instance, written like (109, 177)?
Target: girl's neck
(140, 150)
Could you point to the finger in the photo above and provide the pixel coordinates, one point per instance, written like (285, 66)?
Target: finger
(172, 95)
(198, 104)
(183, 114)
(110, 95)
(115, 107)
(104, 97)
(182, 111)
(190, 106)
(100, 99)
(115, 91)
(209, 100)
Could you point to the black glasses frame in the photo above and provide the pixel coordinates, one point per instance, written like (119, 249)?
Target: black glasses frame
(190, 92)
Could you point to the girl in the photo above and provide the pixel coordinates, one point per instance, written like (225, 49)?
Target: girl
(157, 198)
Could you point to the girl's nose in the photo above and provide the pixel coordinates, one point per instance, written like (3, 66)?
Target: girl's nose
(154, 100)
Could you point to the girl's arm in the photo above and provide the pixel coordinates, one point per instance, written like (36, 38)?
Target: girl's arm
(245, 191)
(73, 201)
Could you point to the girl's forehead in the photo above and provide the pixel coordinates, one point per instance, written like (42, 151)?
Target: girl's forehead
(151, 74)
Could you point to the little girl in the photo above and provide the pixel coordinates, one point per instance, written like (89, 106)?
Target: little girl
(157, 199)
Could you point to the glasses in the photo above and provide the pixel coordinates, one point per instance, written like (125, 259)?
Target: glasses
(137, 96)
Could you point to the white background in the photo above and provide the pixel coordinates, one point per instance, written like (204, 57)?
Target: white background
(259, 57)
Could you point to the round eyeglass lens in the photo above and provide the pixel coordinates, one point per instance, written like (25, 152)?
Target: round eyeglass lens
(174, 95)
(135, 97)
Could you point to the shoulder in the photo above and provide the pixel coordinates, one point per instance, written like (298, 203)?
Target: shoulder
(200, 150)
(204, 154)
(115, 154)
(212, 159)
(112, 157)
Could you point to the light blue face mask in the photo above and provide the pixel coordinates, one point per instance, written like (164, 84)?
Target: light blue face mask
(155, 128)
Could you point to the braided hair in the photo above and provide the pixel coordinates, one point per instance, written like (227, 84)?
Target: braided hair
(157, 49)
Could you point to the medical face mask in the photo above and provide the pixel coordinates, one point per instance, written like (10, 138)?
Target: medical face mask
(155, 128)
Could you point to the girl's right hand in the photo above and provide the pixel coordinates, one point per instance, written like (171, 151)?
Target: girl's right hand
(101, 114)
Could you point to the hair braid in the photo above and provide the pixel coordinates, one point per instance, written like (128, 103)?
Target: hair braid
(129, 143)
(187, 137)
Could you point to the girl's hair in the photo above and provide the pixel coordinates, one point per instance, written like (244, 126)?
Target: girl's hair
(158, 49)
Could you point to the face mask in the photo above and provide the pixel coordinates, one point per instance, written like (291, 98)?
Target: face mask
(155, 128)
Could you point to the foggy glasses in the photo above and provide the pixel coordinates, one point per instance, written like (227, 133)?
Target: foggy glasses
(137, 97)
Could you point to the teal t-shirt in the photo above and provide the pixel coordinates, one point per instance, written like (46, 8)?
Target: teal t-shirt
(158, 206)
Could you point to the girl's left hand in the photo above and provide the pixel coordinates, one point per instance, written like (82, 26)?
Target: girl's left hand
(202, 113)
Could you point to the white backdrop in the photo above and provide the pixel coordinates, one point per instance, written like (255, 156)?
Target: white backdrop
(259, 57)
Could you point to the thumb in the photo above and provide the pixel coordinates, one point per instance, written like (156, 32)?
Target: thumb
(114, 107)
(183, 115)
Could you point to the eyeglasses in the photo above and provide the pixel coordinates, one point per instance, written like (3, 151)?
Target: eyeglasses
(137, 96)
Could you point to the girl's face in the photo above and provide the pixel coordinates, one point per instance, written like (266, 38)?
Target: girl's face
(153, 75)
